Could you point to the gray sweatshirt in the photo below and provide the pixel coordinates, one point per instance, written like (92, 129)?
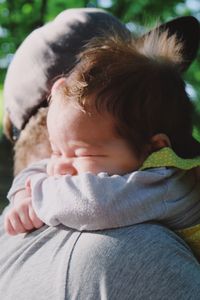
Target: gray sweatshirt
(144, 261)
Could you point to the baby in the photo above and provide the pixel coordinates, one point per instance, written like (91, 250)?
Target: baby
(116, 125)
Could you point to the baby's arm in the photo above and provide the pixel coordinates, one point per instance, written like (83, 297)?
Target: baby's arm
(92, 202)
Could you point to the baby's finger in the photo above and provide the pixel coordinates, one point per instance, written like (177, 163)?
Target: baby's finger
(8, 227)
(34, 219)
(16, 223)
(25, 219)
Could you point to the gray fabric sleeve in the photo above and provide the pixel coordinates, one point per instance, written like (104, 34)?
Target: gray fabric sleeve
(182, 200)
(90, 202)
(93, 202)
(20, 180)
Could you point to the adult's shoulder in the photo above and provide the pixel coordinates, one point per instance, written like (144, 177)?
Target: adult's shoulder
(135, 262)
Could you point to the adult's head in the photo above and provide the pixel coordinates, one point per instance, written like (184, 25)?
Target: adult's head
(51, 51)
(45, 54)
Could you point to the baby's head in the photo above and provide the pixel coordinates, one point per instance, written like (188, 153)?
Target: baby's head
(129, 97)
(86, 141)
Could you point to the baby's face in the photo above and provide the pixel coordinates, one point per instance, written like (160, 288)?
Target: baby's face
(86, 143)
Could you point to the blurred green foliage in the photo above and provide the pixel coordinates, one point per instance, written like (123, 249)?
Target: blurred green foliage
(1, 112)
(18, 18)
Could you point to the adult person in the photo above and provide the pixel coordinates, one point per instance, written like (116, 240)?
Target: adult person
(137, 262)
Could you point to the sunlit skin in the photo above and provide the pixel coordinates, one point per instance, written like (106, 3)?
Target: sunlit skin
(86, 142)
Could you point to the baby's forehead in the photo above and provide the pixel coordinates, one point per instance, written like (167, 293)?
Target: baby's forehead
(64, 107)
(70, 120)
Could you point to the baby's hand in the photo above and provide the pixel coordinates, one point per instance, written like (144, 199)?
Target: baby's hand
(21, 217)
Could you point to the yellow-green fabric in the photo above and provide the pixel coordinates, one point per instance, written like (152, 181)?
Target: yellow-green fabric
(166, 157)
(192, 236)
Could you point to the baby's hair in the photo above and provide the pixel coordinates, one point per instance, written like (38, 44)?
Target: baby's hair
(140, 84)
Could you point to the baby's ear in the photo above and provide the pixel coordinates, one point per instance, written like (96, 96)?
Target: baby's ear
(58, 84)
(159, 141)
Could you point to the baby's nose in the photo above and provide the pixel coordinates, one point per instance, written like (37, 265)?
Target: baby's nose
(64, 167)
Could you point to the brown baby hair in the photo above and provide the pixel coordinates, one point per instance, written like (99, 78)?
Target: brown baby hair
(140, 84)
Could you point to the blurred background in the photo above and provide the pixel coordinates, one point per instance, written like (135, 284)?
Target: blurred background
(18, 18)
